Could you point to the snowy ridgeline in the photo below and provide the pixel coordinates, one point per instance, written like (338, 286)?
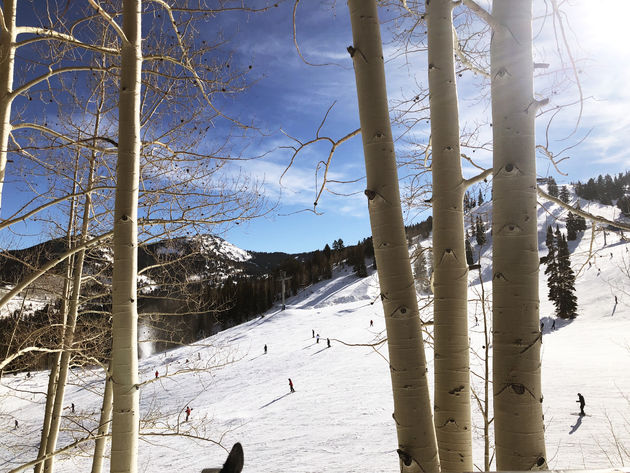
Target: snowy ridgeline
(339, 418)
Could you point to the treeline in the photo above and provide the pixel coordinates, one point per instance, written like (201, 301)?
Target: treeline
(242, 298)
(607, 189)
(422, 229)
(43, 328)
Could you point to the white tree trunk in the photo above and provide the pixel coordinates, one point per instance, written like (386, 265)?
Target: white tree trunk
(412, 404)
(7, 60)
(48, 410)
(103, 425)
(518, 416)
(70, 325)
(52, 408)
(125, 418)
(450, 283)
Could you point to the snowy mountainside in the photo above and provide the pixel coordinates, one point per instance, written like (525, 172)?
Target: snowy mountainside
(339, 418)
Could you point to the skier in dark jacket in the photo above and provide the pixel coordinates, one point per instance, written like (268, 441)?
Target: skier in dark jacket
(265, 349)
(291, 385)
(582, 404)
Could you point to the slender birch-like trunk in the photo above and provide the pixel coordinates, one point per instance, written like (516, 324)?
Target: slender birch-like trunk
(450, 283)
(70, 327)
(518, 415)
(125, 417)
(103, 424)
(8, 37)
(53, 378)
(412, 405)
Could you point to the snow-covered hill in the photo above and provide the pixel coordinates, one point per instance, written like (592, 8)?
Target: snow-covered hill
(339, 418)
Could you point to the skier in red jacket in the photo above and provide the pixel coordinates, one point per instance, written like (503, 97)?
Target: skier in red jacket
(291, 385)
(188, 411)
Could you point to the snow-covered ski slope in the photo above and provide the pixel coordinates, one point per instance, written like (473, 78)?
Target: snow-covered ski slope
(340, 417)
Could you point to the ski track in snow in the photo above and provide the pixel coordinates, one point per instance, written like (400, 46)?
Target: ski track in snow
(339, 418)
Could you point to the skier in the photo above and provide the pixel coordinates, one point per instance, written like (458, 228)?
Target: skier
(317, 338)
(16, 424)
(328, 342)
(291, 385)
(188, 411)
(371, 323)
(265, 349)
(615, 300)
(313, 330)
(553, 325)
(72, 407)
(582, 404)
(157, 374)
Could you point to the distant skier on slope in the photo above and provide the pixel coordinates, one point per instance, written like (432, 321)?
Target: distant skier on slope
(582, 404)
(188, 411)
(317, 338)
(291, 385)
(157, 374)
(265, 349)
(328, 342)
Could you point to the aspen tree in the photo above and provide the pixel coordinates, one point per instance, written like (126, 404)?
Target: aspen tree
(412, 405)
(518, 415)
(125, 416)
(70, 327)
(8, 35)
(103, 424)
(450, 276)
(54, 370)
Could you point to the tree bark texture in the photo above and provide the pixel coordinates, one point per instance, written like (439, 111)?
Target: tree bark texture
(518, 415)
(412, 404)
(70, 327)
(8, 37)
(450, 283)
(103, 425)
(125, 417)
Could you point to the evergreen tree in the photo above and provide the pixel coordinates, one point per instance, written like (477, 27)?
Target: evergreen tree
(421, 271)
(467, 205)
(338, 245)
(552, 187)
(469, 253)
(571, 227)
(624, 205)
(358, 261)
(480, 231)
(580, 222)
(564, 195)
(560, 276)
(327, 272)
(566, 300)
(480, 198)
(552, 265)
(327, 251)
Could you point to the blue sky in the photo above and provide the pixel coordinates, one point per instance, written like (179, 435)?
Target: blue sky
(289, 97)
(300, 94)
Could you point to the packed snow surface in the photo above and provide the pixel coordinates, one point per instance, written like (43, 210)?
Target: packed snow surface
(340, 417)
